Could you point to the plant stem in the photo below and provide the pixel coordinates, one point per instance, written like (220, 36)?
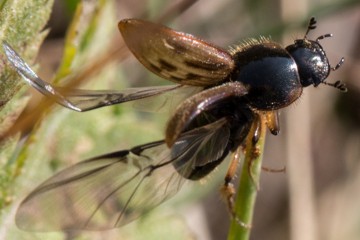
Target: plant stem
(248, 186)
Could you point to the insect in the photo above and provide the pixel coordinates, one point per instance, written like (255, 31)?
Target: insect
(108, 191)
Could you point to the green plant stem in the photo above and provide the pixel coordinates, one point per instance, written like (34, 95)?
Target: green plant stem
(248, 186)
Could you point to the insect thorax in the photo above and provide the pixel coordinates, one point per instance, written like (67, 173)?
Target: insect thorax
(270, 73)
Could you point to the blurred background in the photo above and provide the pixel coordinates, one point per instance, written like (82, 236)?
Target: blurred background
(318, 197)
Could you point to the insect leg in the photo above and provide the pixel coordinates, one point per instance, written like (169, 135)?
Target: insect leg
(255, 153)
(272, 122)
(228, 190)
(273, 170)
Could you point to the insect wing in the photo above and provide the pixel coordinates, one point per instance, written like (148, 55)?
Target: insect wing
(198, 104)
(208, 145)
(86, 100)
(111, 190)
(176, 56)
(75, 99)
(166, 101)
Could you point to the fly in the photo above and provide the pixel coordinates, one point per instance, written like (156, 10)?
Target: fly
(236, 87)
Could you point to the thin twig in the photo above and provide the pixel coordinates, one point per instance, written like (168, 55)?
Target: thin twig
(248, 186)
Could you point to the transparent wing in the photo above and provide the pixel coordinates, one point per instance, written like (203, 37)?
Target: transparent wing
(86, 100)
(167, 101)
(176, 56)
(111, 190)
(80, 100)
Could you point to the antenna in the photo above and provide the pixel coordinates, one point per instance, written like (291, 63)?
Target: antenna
(311, 26)
(338, 85)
